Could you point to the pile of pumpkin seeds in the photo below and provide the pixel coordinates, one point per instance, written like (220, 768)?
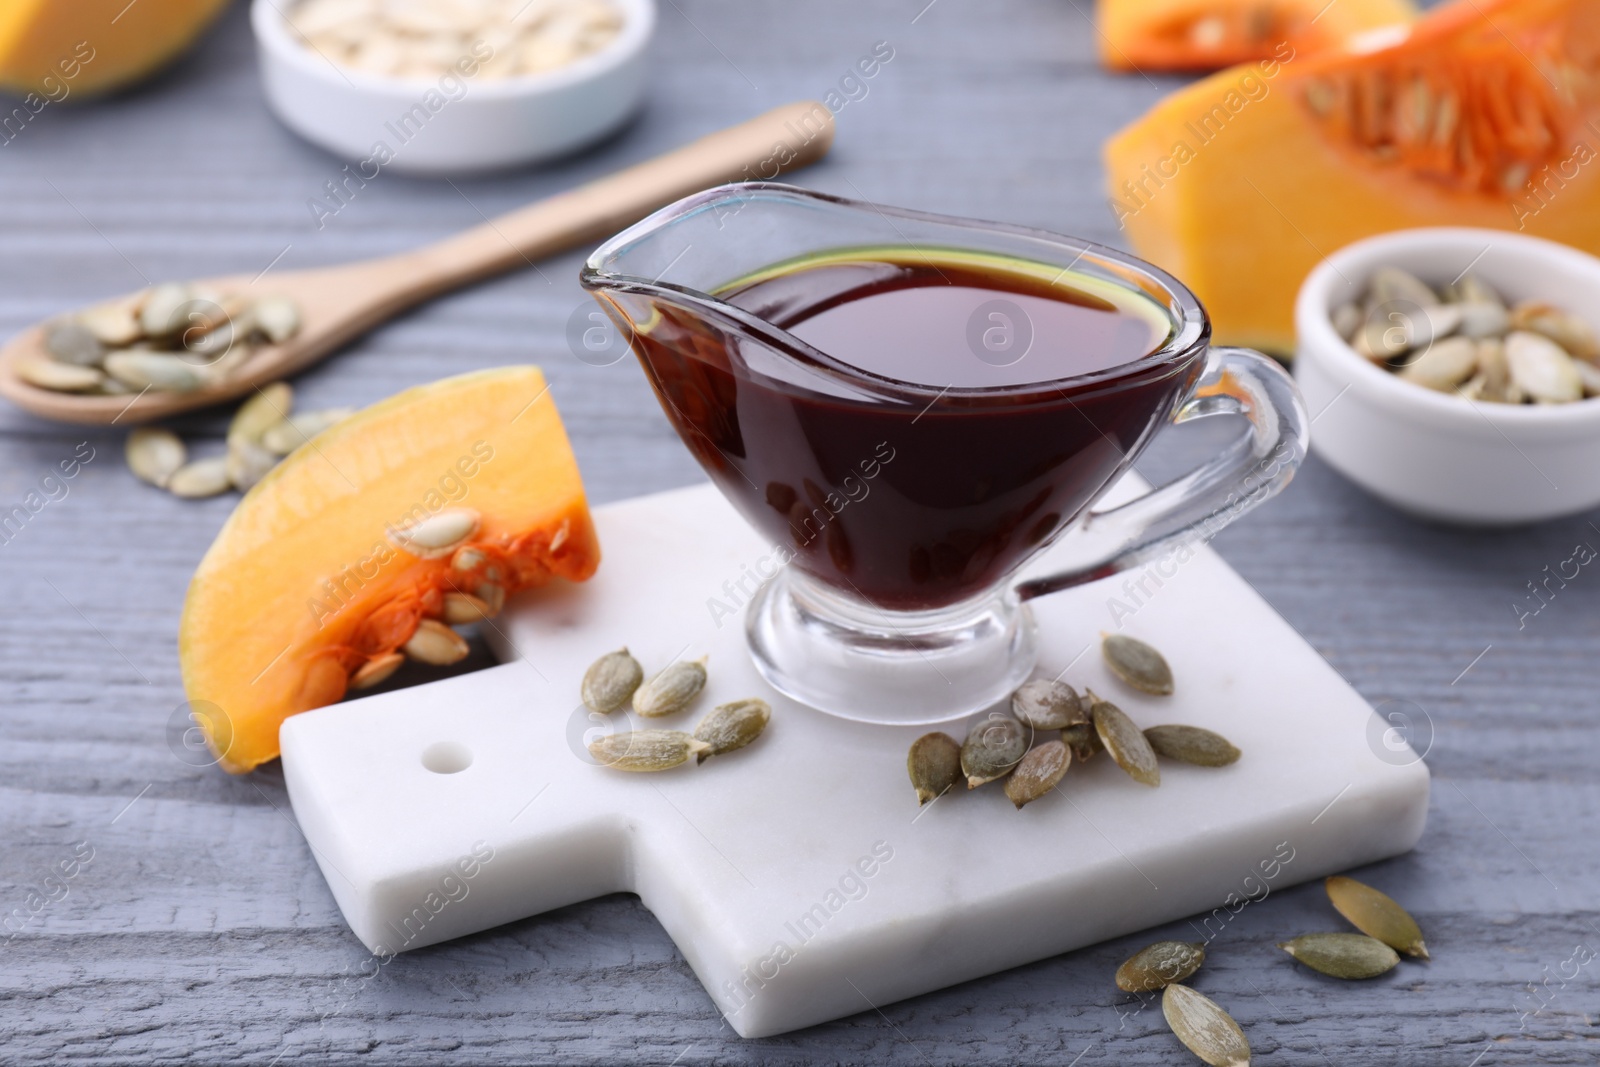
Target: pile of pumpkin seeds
(262, 432)
(1210, 1032)
(1466, 340)
(616, 680)
(1019, 749)
(173, 337)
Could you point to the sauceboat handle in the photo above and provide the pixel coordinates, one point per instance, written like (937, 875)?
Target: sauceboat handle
(1251, 470)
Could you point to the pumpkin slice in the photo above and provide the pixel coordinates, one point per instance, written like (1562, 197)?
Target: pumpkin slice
(57, 49)
(1486, 114)
(1151, 35)
(424, 509)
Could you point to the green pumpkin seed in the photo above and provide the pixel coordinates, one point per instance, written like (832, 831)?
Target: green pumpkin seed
(994, 746)
(1350, 956)
(71, 342)
(732, 726)
(1191, 744)
(1204, 1028)
(1376, 915)
(1125, 742)
(153, 370)
(671, 691)
(646, 750)
(609, 682)
(57, 376)
(1038, 773)
(1137, 664)
(1084, 742)
(1047, 705)
(934, 764)
(1160, 965)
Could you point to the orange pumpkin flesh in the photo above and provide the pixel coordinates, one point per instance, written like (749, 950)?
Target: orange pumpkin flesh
(1152, 35)
(305, 584)
(1486, 114)
(82, 47)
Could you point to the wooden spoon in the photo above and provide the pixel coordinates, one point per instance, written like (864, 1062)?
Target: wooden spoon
(338, 304)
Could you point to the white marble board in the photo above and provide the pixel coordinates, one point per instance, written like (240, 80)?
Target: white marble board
(799, 877)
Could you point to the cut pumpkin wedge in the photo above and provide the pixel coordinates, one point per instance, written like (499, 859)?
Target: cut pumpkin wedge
(81, 47)
(1486, 114)
(366, 541)
(1167, 35)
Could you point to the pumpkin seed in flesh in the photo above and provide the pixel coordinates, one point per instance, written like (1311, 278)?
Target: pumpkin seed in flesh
(1048, 705)
(492, 594)
(71, 342)
(436, 644)
(1204, 1028)
(202, 478)
(1376, 915)
(646, 750)
(993, 748)
(1159, 965)
(1191, 744)
(296, 430)
(437, 535)
(1349, 956)
(1083, 740)
(1038, 773)
(1138, 664)
(730, 727)
(463, 608)
(934, 764)
(1126, 743)
(58, 377)
(610, 681)
(375, 670)
(671, 691)
(154, 455)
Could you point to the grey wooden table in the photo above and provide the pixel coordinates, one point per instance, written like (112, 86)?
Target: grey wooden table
(201, 930)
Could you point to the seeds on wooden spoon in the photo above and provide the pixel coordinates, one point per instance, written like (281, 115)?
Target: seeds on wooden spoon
(154, 455)
(609, 682)
(934, 764)
(1348, 956)
(1191, 744)
(1159, 965)
(1048, 705)
(1038, 773)
(1125, 742)
(154, 370)
(732, 726)
(57, 376)
(671, 691)
(646, 750)
(993, 748)
(1376, 915)
(1138, 664)
(1204, 1028)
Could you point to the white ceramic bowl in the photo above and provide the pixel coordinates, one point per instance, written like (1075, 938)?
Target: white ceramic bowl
(1435, 455)
(481, 124)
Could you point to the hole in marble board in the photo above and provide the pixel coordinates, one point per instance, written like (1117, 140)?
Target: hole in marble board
(446, 757)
